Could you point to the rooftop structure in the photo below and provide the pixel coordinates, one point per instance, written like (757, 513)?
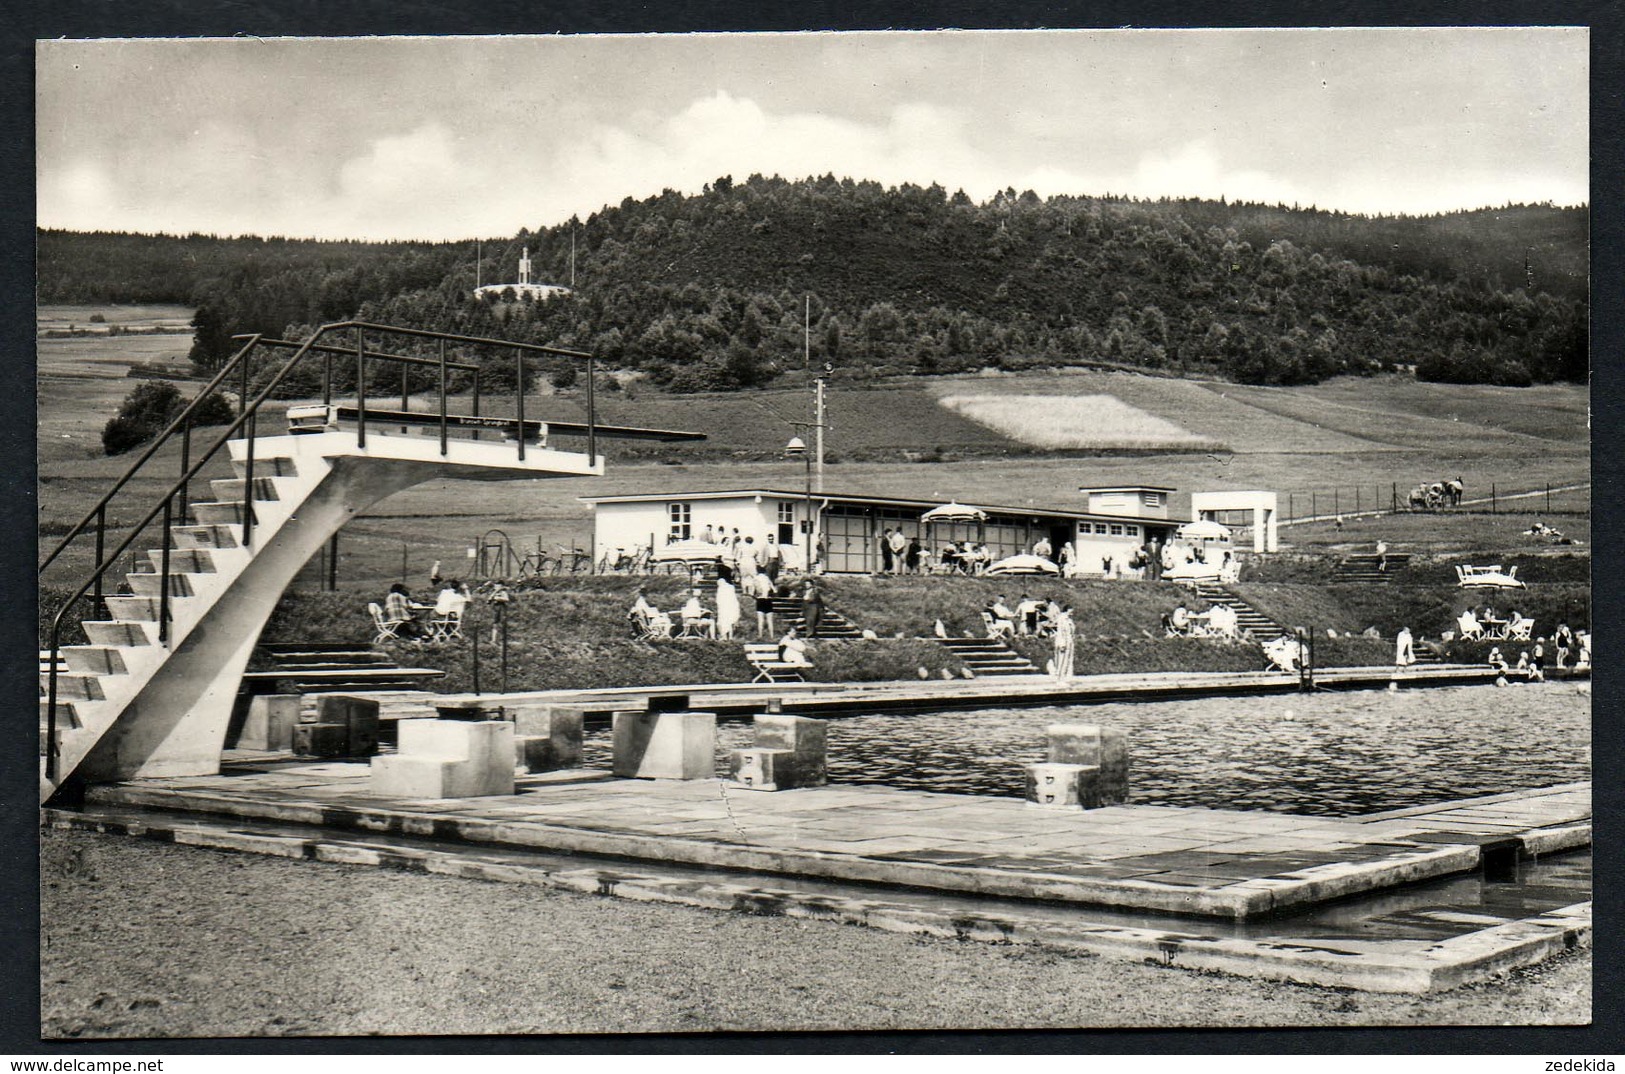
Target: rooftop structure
(525, 286)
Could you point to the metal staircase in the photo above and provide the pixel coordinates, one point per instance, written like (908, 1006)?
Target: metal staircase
(150, 692)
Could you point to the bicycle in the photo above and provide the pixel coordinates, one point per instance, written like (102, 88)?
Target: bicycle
(620, 561)
(576, 559)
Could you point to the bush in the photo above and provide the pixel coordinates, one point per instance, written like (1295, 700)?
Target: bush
(152, 406)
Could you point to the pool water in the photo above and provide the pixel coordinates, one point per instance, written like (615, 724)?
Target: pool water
(1327, 753)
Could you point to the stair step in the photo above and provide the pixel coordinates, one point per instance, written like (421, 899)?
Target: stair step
(67, 718)
(138, 609)
(84, 687)
(183, 560)
(94, 660)
(331, 660)
(235, 488)
(205, 536)
(116, 632)
(279, 466)
(223, 512)
(145, 584)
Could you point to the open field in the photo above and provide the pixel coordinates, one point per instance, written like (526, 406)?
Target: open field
(1083, 422)
(56, 317)
(1298, 439)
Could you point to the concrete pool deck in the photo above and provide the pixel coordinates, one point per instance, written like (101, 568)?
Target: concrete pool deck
(1178, 860)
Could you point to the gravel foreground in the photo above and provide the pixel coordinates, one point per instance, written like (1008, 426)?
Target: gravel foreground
(144, 939)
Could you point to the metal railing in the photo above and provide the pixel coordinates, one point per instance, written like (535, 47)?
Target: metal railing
(247, 417)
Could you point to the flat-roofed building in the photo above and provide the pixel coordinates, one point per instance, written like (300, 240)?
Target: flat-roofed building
(851, 525)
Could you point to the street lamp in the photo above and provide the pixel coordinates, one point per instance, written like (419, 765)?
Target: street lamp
(797, 448)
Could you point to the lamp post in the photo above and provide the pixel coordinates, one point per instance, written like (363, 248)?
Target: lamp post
(797, 448)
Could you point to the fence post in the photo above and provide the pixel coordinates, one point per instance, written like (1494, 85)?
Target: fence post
(1548, 497)
(1356, 499)
(1492, 497)
(1396, 496)
(1336, 510)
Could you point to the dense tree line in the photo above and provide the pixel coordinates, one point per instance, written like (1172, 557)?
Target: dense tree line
(708, 291)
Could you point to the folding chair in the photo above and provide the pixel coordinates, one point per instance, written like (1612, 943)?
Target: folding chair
(1471, 628)
(385, 630)
(1520, 629)
(448, 627)
(997, 628)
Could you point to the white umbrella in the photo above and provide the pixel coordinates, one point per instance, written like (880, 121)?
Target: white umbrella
(954, 512)
(1024, 564)
(1205, 530)
(690, 551)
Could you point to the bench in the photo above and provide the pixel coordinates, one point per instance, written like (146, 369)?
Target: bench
(764, 658)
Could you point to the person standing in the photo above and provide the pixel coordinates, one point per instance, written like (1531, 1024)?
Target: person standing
(762, 589)
(727, 607)
(912, 563)
(885, 551)
(1041, 548)
(1065, 642)
(899, 550)
(745, 562)
(1404, 652)
(812, 607)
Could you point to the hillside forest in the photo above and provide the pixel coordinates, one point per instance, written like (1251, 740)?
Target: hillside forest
(712, 291)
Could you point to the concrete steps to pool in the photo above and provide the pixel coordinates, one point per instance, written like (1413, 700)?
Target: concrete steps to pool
(988, 657)
(1249, 620)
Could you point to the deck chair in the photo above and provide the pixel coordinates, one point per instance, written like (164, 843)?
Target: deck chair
(998, 628)
(1520, 629)
(1471, 628)
(448, 627)
(385, 630)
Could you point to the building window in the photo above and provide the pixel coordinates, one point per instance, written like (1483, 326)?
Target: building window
(1117, 530)
(787, 523)
(1100, 528)
(1151, 499)
(1133, 531)
(682, 521)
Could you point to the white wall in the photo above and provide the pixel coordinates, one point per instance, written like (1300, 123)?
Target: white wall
(629, 525)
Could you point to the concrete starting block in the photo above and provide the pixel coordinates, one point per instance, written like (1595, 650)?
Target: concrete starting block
(270, 723)
(790, 752)
(665, 745)
(359, 718)
(448, 759)
(1087, 767)
(548, 737)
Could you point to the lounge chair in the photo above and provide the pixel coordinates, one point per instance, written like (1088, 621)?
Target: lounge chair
(1471, 628)
(1520, 629)
(996, 627)
(764, 657)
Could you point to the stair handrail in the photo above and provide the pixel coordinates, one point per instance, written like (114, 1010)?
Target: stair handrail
(246, 412)
(152, 449)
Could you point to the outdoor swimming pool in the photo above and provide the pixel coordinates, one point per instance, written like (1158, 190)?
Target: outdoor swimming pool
(1334, 754)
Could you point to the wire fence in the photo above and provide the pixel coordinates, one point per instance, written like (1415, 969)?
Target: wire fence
(1345, 501)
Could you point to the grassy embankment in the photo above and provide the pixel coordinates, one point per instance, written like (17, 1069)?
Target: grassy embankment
(572, 634)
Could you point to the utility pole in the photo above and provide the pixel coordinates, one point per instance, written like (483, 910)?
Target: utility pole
(818, 424)
(572, 257)
(478, 256)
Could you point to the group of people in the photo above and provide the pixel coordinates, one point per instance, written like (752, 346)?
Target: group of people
(696, 620)
(1219, 621)
(1531, 663)
(744, 554)
(1029, 617)
(413, 621)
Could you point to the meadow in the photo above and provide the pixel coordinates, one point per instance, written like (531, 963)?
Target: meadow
(1297, 439)
(1083, 422)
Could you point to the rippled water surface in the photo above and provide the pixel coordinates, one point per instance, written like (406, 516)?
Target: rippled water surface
(1326, 753)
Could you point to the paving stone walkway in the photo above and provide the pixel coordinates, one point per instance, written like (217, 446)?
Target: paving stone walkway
(1223, 863)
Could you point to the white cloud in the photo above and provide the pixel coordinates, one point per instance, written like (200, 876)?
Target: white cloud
(1196, 171)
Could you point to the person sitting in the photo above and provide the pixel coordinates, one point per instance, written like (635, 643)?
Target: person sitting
(1496, 661)
(1583, 640)
(1004, 620)
(793, 650)
(1180, 621)
(1469, 625)
(447, 622)
(697, 622)
(1221, 621)
(1527, 668)
(642, 615)
(400, 612)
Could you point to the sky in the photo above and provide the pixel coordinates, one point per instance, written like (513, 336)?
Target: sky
(451, 138)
